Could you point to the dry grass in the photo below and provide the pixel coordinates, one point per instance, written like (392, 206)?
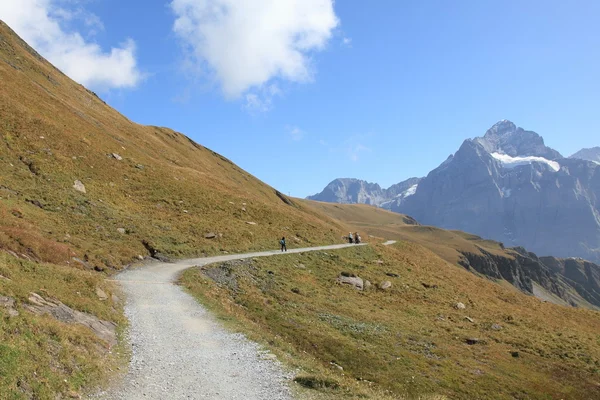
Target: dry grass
(410, 341)
(42, 358)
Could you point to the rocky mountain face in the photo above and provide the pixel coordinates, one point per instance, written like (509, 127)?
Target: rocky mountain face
(574, 281)
(356, 191)
(592, 154)
(508, 186)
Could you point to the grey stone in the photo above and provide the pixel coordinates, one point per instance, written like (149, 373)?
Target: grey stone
(122, 231)
(459, 306)
(210, 235)
(101, 294)
(117, 157)
(105, 330)
(79, 186)
(385, 285)
(351, 280)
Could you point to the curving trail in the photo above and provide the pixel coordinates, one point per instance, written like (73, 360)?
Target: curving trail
(180, 352)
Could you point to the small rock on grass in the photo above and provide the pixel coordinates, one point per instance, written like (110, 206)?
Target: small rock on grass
(460, 306)
(101, 294)
(385, 285)
(79, 186)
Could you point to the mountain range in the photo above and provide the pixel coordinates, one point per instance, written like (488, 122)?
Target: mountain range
(507, 186)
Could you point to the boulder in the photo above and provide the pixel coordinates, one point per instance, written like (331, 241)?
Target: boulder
(79, 186)
(385, 285)
(117, 157)
(470, 319)
(210, 235)
(393, 275)
(9, 304)
(460, 306)
(101, 294)
(122, 231)
(496, 327)
(367, 285)
(472, 341)
(351, 280)
(105, 330)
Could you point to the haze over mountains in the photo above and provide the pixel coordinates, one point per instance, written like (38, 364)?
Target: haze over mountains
(507, 186)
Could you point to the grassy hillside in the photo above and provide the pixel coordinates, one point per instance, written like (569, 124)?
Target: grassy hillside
(156, 184)
(409, 341)
(149, 191)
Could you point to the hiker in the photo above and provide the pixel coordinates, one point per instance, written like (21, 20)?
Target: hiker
(282, 243)
(356, 238)
(350, 240)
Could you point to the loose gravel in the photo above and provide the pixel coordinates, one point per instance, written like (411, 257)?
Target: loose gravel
(179, 351)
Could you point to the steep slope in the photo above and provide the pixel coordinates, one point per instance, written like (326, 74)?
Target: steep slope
(592, 154)
(575, 286)
(148, 190)
(356, 191)
(508, 186)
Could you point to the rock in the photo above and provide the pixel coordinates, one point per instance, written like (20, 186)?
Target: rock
(139, 166)
(9, 304)
(122, 231)
(101, 294)
(351, 280)
(140, 257)
(336, 366)
(78, 185)
(210, 235)
(73, 395)
(460, 306)
(470, 319)
(367, 285)
(496, 327)
(301, 266)
(428, 286)
(515, 354)
(296, 290)
(251, 223)
(117, 157)
(472, 341)
(385, 285)
(393, 275)
(105, 330)
(244, 209)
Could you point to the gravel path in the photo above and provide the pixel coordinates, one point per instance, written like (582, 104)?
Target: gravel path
(180, 352)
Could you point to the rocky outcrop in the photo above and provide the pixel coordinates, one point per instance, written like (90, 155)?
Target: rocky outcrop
(105, 330)
(569, 279)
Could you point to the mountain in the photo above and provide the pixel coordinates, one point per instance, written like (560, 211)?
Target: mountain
(592, 154)
(356, 191)
(509, 186)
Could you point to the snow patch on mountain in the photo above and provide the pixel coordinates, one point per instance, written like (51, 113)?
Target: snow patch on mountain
(410, 191)
(512, 162)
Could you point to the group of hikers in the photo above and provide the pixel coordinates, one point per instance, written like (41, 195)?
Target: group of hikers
(352, 238)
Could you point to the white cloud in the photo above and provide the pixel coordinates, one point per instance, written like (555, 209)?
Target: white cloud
(261, 100)
(247, 43)
(347, 41)
(295, 133)
(42, 24)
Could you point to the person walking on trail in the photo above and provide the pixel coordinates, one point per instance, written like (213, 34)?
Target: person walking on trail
(282, 243)
(356, 238)
(350, 240)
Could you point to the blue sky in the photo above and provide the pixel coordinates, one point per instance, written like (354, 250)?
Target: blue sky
(381, 91)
